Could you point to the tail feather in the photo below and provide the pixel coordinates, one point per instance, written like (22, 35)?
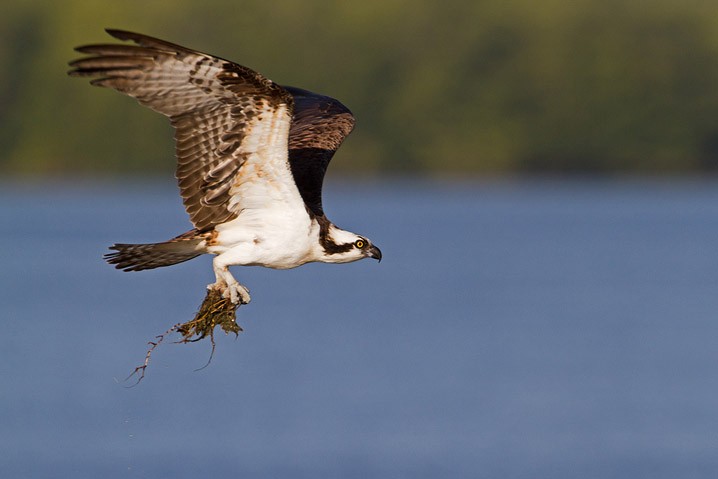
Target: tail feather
(138, 257)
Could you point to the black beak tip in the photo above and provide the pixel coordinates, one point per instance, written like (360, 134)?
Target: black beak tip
(376, 253)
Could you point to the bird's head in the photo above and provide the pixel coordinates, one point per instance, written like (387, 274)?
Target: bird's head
(340, 246)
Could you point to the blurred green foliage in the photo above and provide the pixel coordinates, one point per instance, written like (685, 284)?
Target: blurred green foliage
(438, 87)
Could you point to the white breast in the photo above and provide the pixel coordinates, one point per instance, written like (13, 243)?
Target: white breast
(277, 238)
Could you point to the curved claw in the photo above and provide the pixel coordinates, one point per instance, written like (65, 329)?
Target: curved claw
(235, 292)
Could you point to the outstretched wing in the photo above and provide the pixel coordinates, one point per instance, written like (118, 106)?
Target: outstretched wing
(232, 124)
(319, 126)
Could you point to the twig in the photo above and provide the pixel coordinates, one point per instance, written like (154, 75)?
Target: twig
(153, 344)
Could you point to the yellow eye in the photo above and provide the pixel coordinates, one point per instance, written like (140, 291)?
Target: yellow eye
(359, 244)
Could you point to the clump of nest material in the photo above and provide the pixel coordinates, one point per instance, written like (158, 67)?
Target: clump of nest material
(215, 311)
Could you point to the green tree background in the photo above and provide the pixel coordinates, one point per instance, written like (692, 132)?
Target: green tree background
(438, 87)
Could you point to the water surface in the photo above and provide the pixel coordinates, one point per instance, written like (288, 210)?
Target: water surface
(515, 329)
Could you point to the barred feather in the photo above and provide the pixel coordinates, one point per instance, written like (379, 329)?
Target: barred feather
(138, 257)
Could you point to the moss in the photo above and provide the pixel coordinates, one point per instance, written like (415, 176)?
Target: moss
(214, 311)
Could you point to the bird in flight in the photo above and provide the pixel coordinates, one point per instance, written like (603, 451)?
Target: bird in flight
(251, 157)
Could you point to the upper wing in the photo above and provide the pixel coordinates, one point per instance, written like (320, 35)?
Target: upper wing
(319, 126)
(232, 124)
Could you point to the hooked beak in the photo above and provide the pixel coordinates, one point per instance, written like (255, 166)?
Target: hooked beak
(375, 253)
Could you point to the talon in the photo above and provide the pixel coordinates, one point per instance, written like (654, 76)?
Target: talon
(228, 286)
(236, 293)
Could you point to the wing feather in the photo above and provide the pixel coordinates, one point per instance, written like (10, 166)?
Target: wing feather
(225, 116)
(319, 126)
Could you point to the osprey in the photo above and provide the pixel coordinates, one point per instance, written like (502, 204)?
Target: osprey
(251, 157)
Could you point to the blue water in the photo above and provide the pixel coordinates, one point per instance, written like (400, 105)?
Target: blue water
(513, 329)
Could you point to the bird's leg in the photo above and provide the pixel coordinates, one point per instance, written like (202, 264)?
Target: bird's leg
(226, 284)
